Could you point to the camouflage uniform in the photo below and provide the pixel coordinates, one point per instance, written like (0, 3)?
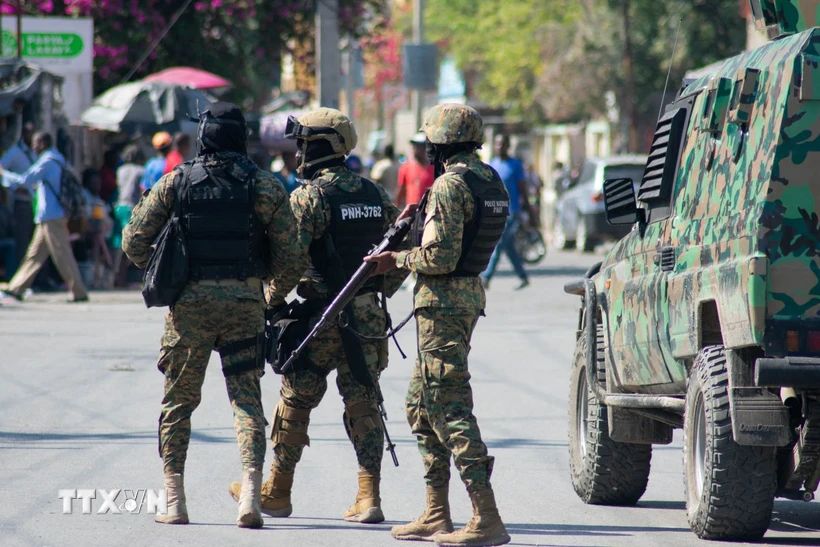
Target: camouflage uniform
(439, 400)
(303, 389)
(208, 315)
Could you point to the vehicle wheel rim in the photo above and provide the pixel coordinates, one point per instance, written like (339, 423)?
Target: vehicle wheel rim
(582, 414)
(699, 448)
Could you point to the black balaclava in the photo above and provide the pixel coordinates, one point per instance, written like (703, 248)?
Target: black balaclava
(222, 129)
(437, 154)
(308, 151)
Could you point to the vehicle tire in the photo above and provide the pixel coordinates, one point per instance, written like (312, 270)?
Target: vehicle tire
(583, 241)
(730, 488)
(603, 471)
(559, 238)
(530, 245)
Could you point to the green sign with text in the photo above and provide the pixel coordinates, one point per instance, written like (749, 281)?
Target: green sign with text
(43, 44)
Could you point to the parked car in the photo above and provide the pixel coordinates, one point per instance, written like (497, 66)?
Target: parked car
(579, 219)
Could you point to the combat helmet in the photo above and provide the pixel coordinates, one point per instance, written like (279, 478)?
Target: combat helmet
(452, 123)
(324, 124)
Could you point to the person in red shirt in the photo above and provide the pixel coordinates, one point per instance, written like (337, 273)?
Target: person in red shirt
(182, 145)
(416, 174)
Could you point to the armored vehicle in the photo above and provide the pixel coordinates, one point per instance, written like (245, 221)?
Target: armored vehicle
(706, 316)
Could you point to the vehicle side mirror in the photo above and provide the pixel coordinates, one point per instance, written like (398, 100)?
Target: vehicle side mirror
(620, 202)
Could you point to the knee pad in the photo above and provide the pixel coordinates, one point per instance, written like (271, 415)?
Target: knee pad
(360, 418)
(290, 425)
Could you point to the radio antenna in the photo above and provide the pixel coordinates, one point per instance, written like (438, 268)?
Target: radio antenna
(669, 72)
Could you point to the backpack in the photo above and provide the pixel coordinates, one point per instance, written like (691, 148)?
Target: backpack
(72, 199)
(167, 271)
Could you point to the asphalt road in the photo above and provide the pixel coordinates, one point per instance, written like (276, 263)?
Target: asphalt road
(79, 401)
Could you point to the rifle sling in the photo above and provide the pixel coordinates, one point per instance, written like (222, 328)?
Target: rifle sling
(351, 343)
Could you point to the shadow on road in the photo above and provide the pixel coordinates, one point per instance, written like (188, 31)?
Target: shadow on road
(545, 271)
(523, 443)
(27, 439)
(586, 529)
(794, 517)
(661, 504)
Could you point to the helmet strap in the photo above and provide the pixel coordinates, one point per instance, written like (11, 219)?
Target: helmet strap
(316, 154)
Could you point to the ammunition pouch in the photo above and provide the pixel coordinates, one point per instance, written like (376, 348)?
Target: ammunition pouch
(286, 330)
(254, 361)
(360, 418)
(290, 425)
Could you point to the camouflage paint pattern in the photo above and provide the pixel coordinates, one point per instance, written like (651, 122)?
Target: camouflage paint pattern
(450, 207)
(783, 17)
(743, 228)
(440, 401)
(450, 123)
(205, 317)
(305, 388)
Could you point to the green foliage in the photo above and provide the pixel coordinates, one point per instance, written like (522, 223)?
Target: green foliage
(562, 58)
(496, 42)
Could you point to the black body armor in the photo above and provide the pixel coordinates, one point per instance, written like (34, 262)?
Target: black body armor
(357, 222)
(226, 240)
(482, 234)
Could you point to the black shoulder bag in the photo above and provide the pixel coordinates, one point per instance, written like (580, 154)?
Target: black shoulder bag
(167, 271)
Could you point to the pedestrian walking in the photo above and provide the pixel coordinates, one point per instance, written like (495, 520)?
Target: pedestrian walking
(51, 237)
(239, 230)
(459, 222)
(512, 173)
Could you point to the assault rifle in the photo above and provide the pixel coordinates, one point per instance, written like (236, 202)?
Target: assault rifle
(392, 238)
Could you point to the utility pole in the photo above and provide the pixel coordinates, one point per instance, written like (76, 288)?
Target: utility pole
(629, 93)
(19, 29)
(350, 52)
(328, 56)
(416, 97)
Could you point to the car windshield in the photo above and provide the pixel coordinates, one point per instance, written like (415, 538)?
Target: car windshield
(634, 172)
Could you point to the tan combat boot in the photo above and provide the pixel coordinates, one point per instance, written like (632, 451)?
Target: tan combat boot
(367, 508)
(435, 519)
(250, 510)
(175, 494)
(484, 529)
(275, 494)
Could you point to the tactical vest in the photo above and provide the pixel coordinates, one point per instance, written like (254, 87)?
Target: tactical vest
(225, 238)
(482, 234)
(357, 221)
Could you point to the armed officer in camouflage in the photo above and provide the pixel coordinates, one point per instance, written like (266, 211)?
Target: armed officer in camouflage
(240, 231)
(461, 221)
(340, 217)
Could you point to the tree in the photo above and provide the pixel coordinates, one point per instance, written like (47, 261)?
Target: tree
(242, 40)
(497, 42)
(564, 61)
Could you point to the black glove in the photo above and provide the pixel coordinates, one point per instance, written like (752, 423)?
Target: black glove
(278, 310)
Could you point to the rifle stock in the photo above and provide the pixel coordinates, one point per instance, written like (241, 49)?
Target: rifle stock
(392, 238)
